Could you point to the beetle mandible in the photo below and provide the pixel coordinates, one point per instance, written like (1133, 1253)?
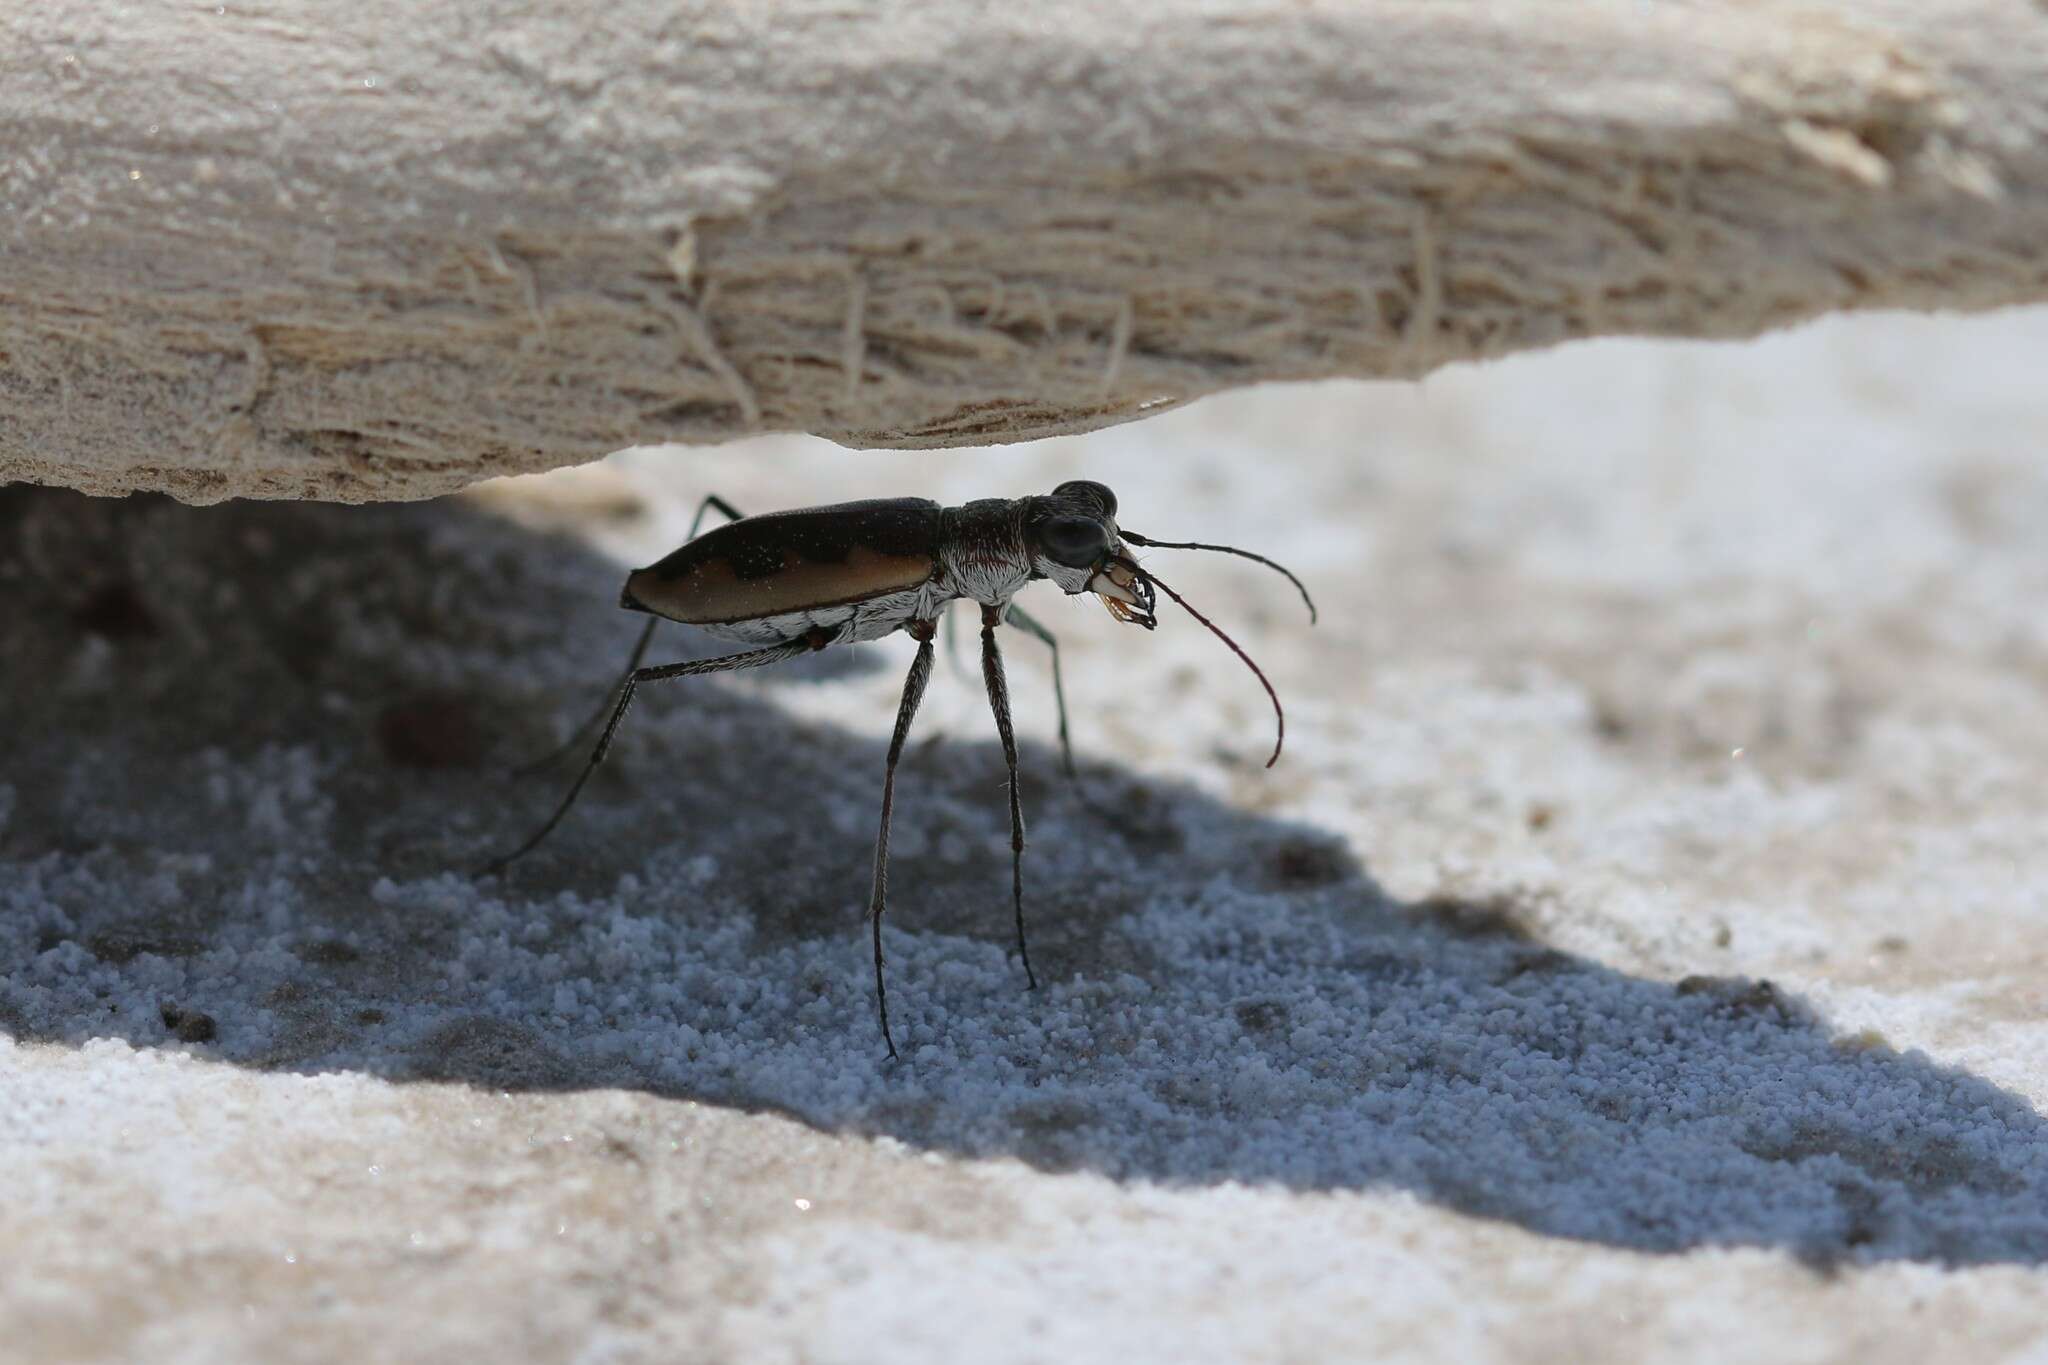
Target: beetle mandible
(792, 582)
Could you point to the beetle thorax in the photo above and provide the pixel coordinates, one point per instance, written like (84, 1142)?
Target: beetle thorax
(984, 551)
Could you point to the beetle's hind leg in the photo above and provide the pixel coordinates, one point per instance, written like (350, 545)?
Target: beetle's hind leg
(999, 703)
(753, 658)
(590, 722)
(713, 503)
(913, 693)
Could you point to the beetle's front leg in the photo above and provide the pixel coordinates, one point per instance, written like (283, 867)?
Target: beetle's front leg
(913, 693)
(999, 702)
(1109, 815)
(1024, 621)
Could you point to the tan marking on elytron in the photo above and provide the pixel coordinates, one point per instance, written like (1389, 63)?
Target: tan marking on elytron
(711, 594)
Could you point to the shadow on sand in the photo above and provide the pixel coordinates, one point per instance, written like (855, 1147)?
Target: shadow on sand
(248, 748)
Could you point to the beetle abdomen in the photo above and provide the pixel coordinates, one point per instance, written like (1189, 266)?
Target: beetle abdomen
(792, 562)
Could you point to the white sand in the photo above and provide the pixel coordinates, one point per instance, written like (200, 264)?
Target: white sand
(1648, 675)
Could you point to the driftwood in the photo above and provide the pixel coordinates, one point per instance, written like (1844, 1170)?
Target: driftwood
(358, 249)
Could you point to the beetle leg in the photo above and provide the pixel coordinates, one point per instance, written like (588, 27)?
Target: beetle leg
(712, 501)
(753, 658)
(951, 633)
(999, 702)
(589, 722)
(1017, 617)
(913, 693)
(576, 736)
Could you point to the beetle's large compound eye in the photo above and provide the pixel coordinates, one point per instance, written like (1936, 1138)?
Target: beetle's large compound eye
(1077, 542)
(1091, 490)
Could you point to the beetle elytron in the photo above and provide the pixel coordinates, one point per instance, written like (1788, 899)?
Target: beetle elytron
(792, 582)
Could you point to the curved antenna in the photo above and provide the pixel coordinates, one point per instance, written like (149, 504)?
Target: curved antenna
(1149, 544)
(1279, 715)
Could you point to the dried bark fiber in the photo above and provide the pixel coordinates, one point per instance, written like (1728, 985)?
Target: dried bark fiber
(360, 249)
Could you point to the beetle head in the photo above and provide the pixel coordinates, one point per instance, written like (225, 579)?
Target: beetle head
(1074, 542)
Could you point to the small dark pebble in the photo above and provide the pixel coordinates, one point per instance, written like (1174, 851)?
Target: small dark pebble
(121, 946)
(1609, 723)
(1259, 1016)
(435, 730)
(1304, 863)
(116, 612)
(190, 1026)
(1494, 917)
(1738, 995)
(1537, 962)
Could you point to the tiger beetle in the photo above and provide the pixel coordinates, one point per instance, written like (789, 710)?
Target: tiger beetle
(790, 583)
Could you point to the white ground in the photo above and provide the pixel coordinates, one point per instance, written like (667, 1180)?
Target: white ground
(1638, 950)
